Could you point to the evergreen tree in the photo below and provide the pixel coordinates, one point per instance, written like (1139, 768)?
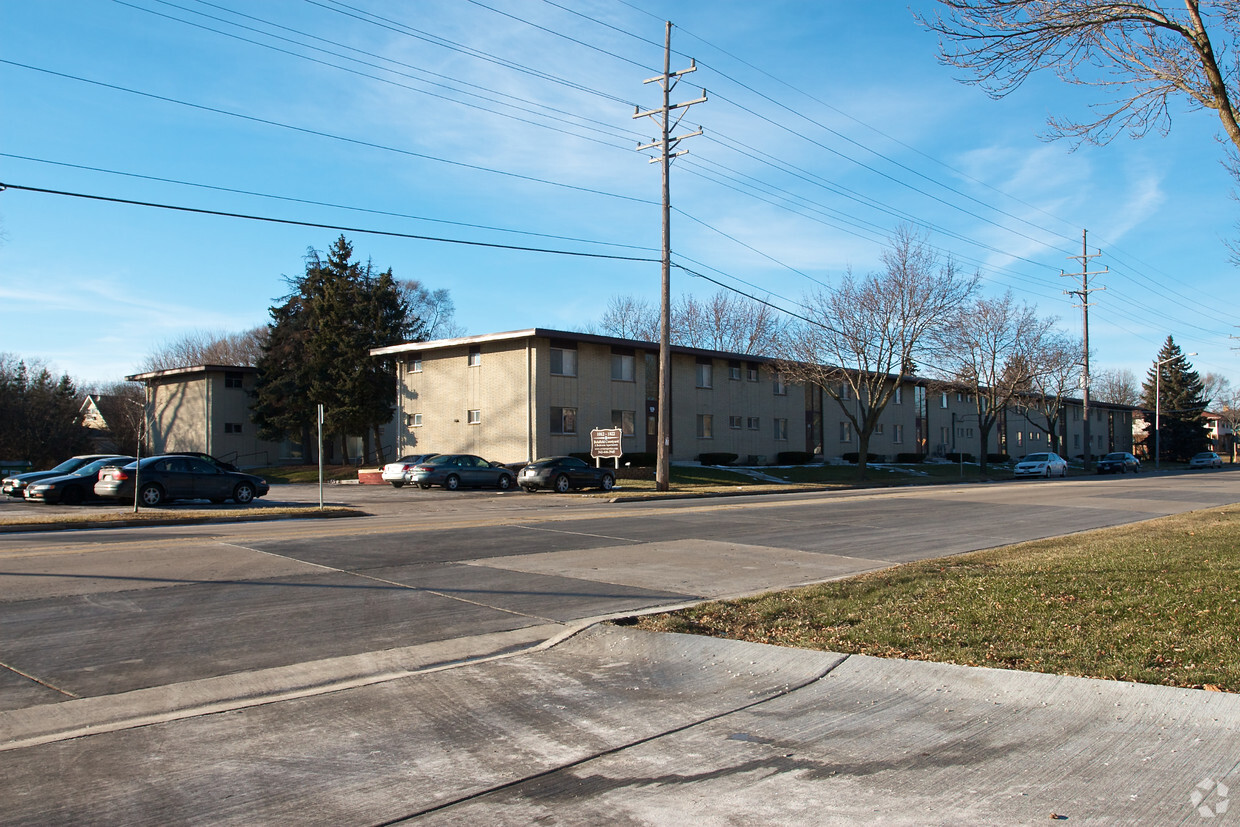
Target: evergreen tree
(39, 414)
(318, 350)
(1181, 403)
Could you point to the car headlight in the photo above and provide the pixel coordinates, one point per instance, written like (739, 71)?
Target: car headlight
(40, 487)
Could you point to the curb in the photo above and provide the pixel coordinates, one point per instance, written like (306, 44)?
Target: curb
(18, 528)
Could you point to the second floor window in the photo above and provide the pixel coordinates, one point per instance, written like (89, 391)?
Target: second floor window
(623, 368)
(705, 375)
(563, 361)
(475, 356)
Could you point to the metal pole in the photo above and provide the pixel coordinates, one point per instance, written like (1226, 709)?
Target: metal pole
(1085, 372)
(1157, 411)
(320, 457)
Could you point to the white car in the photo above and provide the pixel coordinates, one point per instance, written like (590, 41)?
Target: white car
(1206, 459)
(397, 472)
(1048, 464)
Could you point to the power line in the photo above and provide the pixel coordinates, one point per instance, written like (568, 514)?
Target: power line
(321, 134)
(321, 226)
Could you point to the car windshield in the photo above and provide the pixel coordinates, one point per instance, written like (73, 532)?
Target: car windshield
(1115, 456)
(68, 465)
(92, 467)
(439, 460)
(1037, 458)
(1206, 455)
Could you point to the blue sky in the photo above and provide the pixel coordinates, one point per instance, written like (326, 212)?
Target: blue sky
(509, 122)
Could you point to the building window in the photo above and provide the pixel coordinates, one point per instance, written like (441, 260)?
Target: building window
(475, 355)
(781, 430)
(1076, 414)
(563, 420)
(751, 372)
(414, 365)
(1020, 438)
(413, 420)
(780, 388)
(878, 429)
(563, 362)
(845, 432)
(945, 435)
(232, 427)
(1076, 440)
(845, 391)
(474, 417)
(943, 400)
(705, 375)
(623, 368)
(735, 422)
(233, 379)
(753, 423)
(897, 396)
(626, 421)
(897, 434)
(734, 371)
(705, 426)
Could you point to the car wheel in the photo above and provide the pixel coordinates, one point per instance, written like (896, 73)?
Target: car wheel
(243, 493)
(151, 495)
(562, 485)
(1064, 473)
(452, 483)
(609, 482)
(71, 496)
(530, 489)
(504, 482)
(396, 483)
(1048, 472)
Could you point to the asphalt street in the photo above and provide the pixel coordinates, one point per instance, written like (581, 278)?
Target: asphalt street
(442, 659)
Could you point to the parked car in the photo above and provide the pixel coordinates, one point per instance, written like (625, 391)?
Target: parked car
(1046, 464)
(218, 463)
(453, 471)
(564, 474)
(73, 488)
(15, 486)
(1118, 462)
(1206, 459)
(171, 477)
(398, 472)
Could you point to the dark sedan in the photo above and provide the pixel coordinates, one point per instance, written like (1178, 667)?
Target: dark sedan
(1118, 462)
(163, 479)
(563, 474)
(454, 471)
(15, 486)
(73, 488)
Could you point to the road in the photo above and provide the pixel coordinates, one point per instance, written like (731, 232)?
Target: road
(109, 638)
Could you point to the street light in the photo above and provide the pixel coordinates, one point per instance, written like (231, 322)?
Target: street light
(1158, 406)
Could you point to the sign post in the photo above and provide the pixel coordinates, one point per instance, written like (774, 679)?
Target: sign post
(320, 457)
(606, 442)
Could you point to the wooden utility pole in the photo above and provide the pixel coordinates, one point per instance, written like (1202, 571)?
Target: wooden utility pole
(666, 146)
(1083, 295)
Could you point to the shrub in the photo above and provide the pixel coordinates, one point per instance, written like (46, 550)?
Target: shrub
(998, 458)
(793, 457)
(910, 457)
(584, 456)
(639, 459)
(956, 456)
(719, 458)
(853, 456)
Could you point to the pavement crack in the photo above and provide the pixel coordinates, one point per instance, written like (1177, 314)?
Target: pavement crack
(39, 681)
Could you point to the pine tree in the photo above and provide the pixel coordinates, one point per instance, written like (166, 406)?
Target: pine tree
(1181, 403)
(318, 350)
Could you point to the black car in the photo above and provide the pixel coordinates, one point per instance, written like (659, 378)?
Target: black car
(1118, 462)
(563, 474)
(15, 486)
(171, 477)
(73, 488)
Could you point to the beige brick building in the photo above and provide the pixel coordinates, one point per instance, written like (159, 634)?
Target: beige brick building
(524, 394)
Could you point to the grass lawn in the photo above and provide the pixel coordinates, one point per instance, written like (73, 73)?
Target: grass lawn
(1153, 603)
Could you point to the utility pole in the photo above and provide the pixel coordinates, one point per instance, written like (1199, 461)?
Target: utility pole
(666, 146)
(1083, 295)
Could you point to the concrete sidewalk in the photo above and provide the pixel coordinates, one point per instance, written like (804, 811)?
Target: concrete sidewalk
(619, 726)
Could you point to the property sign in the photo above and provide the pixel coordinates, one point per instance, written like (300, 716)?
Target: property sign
(605, 443)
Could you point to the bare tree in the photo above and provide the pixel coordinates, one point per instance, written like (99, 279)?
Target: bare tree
(627, 317)
(434, 310)
(861, 336)
(991, 348)
(1058, 377)
(1119, 387)
(203, 347)
(1214, 387)
(726, 321)
(1143, 53)
(1227, 408)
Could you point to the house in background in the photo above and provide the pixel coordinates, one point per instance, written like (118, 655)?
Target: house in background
(524, 394)
(1222, 435)
(98, 414)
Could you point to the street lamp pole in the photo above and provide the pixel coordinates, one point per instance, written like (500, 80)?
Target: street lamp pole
(1158, 406)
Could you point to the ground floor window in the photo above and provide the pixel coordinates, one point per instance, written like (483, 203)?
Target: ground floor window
(563, 420)
(705, 426)
(897, 434)
(781, 430)
(626, 421)
(845, 432)
(475, 417)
